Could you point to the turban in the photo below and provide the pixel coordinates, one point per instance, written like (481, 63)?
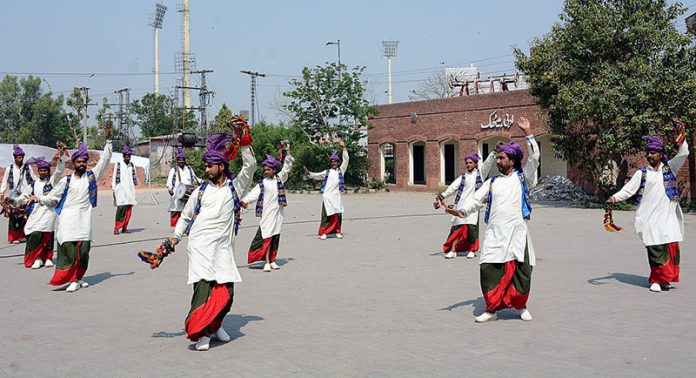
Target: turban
(80, 153)
(216, 145)
(17, 151)
(334, 157)
(40, 162)
(512, 150)
(473, 156)
(271, 162)
(653, 143)
(180, 154)
(127, 151)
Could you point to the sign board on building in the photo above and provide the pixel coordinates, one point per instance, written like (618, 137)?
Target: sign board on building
(495, 122)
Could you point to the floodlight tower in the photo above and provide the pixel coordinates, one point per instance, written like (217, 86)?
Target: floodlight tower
(389, 52)
(156, 23)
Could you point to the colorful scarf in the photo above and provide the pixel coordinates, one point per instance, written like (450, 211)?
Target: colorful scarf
(526, 205)
(46, 189)
(118, 173)
(92, 190)
(668, 179)
(282, 200)
(341, 183)
(24, 169)
(237, 207)
(479, 182)
(176, 175)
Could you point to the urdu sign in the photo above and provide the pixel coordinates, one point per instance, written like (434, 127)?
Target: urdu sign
(495, 122)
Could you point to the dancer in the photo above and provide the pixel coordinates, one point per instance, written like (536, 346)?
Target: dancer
(123, 184)
(269, 195)
(332, 187)
(181, 173)
(463, 235)
(507, 254)
(76, 196)
(211, 219)
(17, 177)
(659, 219)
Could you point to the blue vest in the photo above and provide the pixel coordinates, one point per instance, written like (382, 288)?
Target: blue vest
(235, 199)
(668, 179)
(479, 182)
(92, 190)
(526, 205)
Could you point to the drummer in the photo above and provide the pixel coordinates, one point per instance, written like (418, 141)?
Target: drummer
(180, 174)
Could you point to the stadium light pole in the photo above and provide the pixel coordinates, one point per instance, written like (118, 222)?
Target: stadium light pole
(389, 52)
(156, 23)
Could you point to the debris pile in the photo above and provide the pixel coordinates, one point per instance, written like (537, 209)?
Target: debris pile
(559, 189)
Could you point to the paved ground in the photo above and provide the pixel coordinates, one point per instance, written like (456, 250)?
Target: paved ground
(380, 302)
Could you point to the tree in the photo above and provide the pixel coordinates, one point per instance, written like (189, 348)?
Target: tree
(223, 116)
(27, 115)
(74, 119)
(153, 113)
(437, 85)
(321, 104)
(609, 72)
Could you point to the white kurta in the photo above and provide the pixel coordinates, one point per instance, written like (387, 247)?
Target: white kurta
(20, 180)
(124, 192)
(659, 220)
(332, 192)
(507, 234)
(211, 241)
(185, 175)
(272, 216)
(43, 218)
(75, 221)
(469, 189)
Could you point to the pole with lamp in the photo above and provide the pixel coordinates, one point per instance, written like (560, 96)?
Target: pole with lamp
(389, 52)
(156, 23)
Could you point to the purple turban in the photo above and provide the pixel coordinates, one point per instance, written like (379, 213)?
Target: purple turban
(271, 162)
(512, 150)
(653, 143)
(473, 156)
(40, 162)
(334, 157)
(180, 154)
(80, 153)
(126, 150)
(216, 145)
(17, 151)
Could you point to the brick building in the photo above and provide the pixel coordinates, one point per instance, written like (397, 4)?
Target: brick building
(419, 145)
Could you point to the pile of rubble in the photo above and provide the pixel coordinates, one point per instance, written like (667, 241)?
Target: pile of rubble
(559, 189)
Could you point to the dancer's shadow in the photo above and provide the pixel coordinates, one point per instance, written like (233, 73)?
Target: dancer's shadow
(479, 305)
(101, 277)
(627, 278)
(233, 325)
(134, 230)
(169, 335)
(259, 264)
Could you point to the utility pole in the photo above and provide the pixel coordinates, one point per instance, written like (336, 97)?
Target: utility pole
(254, 105)
(204, 95)
(85, 97)
(124, 116)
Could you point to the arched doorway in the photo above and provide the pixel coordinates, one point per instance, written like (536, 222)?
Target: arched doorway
(449, 161)
(417, 163)
(388, 152)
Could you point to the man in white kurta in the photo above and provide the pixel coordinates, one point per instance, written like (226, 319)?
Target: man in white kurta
(211, 218)
(123, 184)
(76, 196)
(17, 177)
(269, 195)
(333, 185)
(463, 236)
(659, 218)
(181, 173)
(41, 223)
(507, 253)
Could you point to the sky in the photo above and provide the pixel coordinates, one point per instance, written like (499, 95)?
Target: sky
(108, 45)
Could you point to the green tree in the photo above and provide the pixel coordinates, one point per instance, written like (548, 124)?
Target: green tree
(331, 99)
(609, 72)
(153, 114)
(76, 103)
(222, 117)
(28, 115)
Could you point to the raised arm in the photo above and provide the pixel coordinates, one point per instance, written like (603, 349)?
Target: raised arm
(679, 159)
(629, 189)
(104, 160)
(243, 180)
(60, 167)
(344, 163)
(287, 166)
(530, 168)
(488, 164)
(5, 177)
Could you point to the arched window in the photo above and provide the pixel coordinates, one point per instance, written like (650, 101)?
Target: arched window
(388, 151)
(417, 163)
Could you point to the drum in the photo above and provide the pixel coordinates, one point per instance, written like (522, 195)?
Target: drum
(182, 192)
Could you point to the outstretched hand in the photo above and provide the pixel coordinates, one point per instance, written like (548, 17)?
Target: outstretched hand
(108, 133)
(342, 143)
(523, 124)
(306, 171)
